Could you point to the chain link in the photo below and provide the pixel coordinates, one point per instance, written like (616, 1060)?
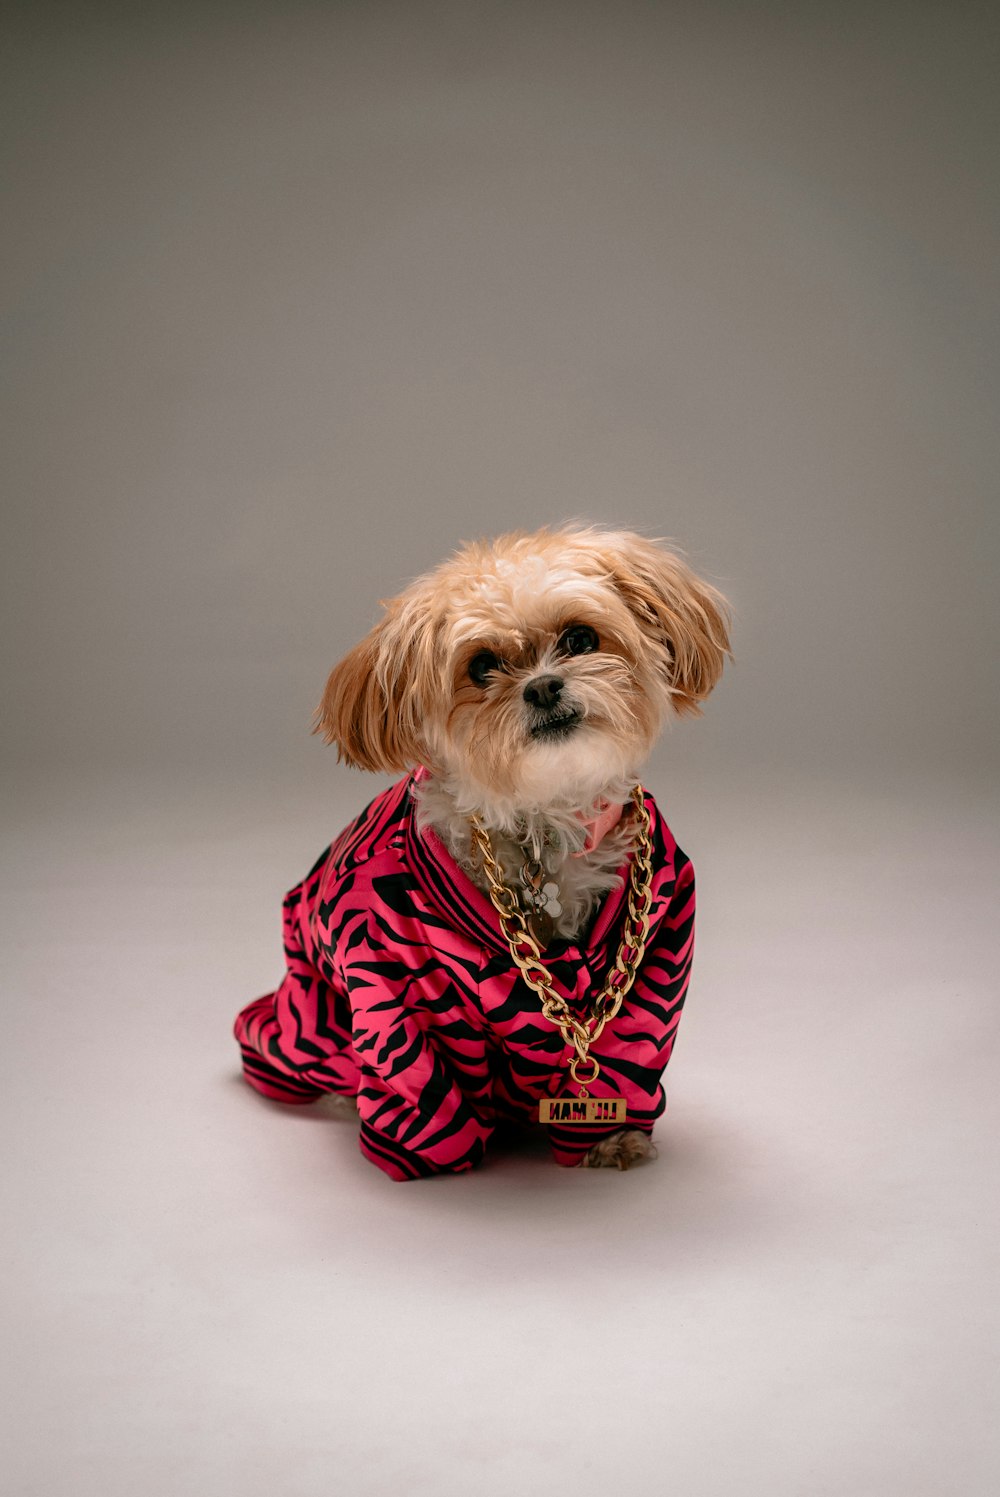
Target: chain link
(581, 1034)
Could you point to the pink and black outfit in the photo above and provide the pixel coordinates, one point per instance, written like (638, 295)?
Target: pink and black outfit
(401, 991)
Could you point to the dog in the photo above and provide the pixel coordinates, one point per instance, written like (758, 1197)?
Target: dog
(504, 936)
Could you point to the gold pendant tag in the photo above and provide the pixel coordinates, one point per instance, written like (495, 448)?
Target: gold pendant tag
(582, 1110)
(542, 927)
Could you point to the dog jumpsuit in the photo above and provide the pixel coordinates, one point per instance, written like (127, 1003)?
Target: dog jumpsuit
(401, 992)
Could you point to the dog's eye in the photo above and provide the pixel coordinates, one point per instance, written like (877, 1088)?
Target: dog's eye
(482, 666)
(578, 639)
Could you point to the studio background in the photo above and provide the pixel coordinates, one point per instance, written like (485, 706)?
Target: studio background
(296, 298)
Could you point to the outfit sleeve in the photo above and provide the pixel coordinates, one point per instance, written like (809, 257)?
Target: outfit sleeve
(634, 1050)
(296, 1041)
(424, 1094)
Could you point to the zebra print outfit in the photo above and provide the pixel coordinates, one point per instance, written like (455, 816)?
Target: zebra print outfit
(401, 992)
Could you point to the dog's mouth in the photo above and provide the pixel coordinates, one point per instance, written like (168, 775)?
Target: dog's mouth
(556, 725)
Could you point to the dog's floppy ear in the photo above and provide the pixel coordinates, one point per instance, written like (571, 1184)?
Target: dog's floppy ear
(371, 708)
(686, 614)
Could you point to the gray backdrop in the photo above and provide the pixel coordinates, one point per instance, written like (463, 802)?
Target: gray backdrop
(300, 296)
(297, 297)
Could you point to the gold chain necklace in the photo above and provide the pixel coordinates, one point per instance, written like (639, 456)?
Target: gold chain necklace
(581, 1034)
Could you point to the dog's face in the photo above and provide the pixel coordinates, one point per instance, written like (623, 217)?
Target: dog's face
(531, 668)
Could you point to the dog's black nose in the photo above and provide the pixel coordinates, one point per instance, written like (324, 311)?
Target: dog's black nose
(543, 691)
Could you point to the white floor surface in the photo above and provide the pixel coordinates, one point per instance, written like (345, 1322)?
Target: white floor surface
(210, 1294)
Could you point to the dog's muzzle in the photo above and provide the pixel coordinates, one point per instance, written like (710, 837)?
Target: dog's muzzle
(552, 717)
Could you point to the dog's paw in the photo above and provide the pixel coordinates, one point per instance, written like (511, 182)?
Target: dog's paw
(334, 1106)
(620, 1151)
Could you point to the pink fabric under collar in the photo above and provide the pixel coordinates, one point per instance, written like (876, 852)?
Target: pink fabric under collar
(609, 814)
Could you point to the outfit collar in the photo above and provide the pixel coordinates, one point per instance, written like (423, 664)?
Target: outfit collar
(461, 904)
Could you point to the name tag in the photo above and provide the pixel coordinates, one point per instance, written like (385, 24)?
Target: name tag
(582, 1110)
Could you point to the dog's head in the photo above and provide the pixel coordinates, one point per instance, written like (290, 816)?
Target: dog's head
(531, 667)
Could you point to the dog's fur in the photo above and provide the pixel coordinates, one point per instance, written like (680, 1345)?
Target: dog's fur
(534, 744)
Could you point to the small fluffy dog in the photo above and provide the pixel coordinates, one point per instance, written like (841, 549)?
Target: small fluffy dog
(506, 934)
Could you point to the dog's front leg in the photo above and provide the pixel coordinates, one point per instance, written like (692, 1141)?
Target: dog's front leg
(620, 1150)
